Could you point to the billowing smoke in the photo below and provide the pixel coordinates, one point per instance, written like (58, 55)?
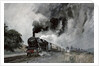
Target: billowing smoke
(64, 24)
(57, 25)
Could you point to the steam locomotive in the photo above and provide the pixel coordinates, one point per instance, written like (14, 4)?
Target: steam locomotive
(36, 45)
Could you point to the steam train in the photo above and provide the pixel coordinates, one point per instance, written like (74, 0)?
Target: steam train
(36, 45)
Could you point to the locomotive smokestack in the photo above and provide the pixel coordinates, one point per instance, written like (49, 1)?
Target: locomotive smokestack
(33, 34)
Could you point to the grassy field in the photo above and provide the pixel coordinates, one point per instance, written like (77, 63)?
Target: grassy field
(74, 57)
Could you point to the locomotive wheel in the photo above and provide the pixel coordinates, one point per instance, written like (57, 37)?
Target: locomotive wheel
(28, 54)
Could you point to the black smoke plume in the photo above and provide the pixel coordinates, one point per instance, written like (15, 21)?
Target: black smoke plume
(52, 25)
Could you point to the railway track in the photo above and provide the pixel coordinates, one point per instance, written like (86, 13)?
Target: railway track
(18, 59)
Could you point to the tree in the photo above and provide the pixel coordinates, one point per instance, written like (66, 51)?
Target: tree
(12, 39)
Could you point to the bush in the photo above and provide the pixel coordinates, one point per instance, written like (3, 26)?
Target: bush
(12, 39)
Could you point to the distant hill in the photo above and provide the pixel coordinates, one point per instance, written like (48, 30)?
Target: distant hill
(91, 50)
